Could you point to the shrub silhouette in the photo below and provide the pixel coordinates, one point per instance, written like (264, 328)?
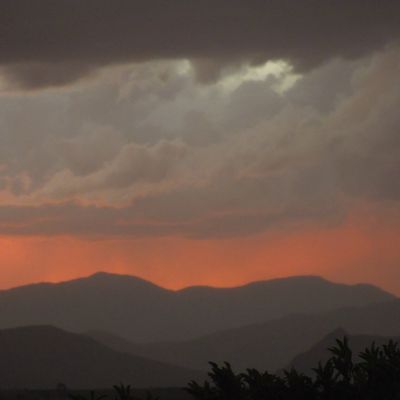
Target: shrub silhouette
(92, 396)
(263, 385)
(376, 376)
(123, 392)
(227, 385)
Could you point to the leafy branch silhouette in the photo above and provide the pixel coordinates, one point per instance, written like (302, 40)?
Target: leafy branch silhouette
(376, 376)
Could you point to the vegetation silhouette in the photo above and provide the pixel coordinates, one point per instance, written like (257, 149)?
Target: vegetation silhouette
(375, 376)
(121, 391)
(92, 396)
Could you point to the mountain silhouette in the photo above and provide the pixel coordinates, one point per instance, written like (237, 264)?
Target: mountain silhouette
(305, 362)
(40, 357)
(270, 345)
(143, 312)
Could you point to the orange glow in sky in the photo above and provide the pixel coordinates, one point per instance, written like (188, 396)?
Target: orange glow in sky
(356, 251)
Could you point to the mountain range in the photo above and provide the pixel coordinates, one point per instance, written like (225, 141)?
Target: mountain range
(270, 345)
(130, 330)
(143, 312)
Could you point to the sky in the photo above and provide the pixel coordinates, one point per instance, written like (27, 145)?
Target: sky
(215, 142)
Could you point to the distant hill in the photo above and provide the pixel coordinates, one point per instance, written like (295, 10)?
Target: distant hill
(141, 311)
(41, 357)
(270, 345)
(308, 360)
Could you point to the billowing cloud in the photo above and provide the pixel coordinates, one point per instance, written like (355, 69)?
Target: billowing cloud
(47, 43)
(148, 152)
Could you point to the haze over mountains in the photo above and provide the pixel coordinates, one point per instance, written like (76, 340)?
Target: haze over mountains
(40, 357)
(148, 335)
(270, 345)
(143, 312)
(305, 362)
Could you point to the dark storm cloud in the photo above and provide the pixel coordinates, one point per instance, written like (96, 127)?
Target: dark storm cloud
(36, 75)
(229, 159)
(53, 42)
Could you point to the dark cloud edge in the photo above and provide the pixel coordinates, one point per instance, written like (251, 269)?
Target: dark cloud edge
(55, 43)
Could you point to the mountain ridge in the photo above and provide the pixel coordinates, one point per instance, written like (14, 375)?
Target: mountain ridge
(103, 275)
(143, 312)
(270, 345)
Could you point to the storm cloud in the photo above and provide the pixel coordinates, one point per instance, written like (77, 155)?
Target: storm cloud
(143, 149)
(50, 43)
(147, 152)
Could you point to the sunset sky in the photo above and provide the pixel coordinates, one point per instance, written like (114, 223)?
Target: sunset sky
(200, 142)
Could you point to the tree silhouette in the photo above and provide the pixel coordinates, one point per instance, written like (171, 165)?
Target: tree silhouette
(376, 376)
(92, 396)
(298, 386)
(124, 392)
(326, 380)
(263, 385)
(226, 384)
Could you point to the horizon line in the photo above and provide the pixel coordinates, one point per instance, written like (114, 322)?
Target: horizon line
(240, 285)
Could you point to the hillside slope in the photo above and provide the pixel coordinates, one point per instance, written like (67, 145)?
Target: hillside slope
(308, 360)
(40, 357)
(270, 345)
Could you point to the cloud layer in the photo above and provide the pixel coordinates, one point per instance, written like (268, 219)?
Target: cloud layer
(50, 43)
(146, 151)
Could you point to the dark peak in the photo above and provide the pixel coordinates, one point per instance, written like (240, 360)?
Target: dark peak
(301, 278)
(292, 279)
(100, 274)
(289, 281)
(318, 281)
(100, 277)
(103, 277)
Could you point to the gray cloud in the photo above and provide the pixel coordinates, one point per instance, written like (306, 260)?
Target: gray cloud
(36, 75)
(152, 153)
(46, 42)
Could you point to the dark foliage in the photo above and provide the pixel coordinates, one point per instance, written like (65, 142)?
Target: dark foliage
(121, 392)
(375, 377)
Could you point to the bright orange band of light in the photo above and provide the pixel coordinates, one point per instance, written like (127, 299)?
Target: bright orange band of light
(355, 251)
